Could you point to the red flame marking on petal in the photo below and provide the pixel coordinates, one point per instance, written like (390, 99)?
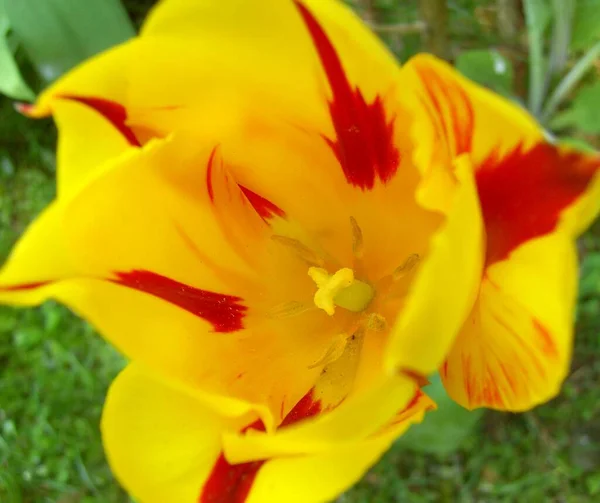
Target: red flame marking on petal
(525, 348)
(413, 407)
(510, 378)
(229, 483)
(548, 345)
(224, 312)
(364, 145)
(112, 111)
(24, 286)
(458, 123)
(265, 208)
(444, 369)
(523, 193)
(209, 169)
(305, 408)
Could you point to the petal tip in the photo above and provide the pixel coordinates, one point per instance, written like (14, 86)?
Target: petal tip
(27, 109)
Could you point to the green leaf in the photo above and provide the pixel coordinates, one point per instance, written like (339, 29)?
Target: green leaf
(537, 16)
(570, 82)
(586, 27)
(11, 81)
(444, 430)
(487, 67)
(564, 11)
(584, 146)
(59, 34)
(593, 484)
(583, 113)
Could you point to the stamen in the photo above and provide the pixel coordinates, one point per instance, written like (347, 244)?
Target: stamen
(357, 239)
(320, 276)
(303, 251)
(334, 352)
(329, 286)
(409, 265)
(288, 310)
(340, 289)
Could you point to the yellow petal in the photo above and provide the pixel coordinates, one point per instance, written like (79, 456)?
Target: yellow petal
(469, 117)
(586, 207)
(164, 444)
(230, 41)
(146, 211)
(359, 416)
(447, 279)
(39, 258)
(318, 478)
(528, 194)
(514, 351)
(274, 28)
(519, 171)
(161, 444)
(87, 141)
(102, 76)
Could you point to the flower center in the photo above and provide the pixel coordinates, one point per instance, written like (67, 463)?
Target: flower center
(340, 289)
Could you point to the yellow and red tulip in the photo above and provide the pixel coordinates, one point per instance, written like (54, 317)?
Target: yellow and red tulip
(287, 232)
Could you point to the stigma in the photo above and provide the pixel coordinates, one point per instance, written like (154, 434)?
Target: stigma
(340, 289)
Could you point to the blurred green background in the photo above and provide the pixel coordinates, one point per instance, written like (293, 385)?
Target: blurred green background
(54, 370)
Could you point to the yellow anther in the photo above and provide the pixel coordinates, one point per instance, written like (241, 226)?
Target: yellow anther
(329, 286)
(320, 276)
(409, 265)
(340, 289)
(357, 239)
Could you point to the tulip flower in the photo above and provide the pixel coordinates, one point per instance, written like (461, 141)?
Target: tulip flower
(238, 212)
(286, 233)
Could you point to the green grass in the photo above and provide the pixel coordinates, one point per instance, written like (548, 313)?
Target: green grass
(54, 372)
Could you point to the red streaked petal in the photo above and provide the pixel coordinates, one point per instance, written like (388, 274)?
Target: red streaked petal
(209, 175)
(114, 112)
(265, 208)
(24, 286)
(450, 108)
(229, 483)
(25, 109)
(305, 408)
(364, 143)
(420, 402)
(224, 312)
(523, 193)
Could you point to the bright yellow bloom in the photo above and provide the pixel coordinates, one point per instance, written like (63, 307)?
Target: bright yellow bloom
(238, 212)
(285, 231)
